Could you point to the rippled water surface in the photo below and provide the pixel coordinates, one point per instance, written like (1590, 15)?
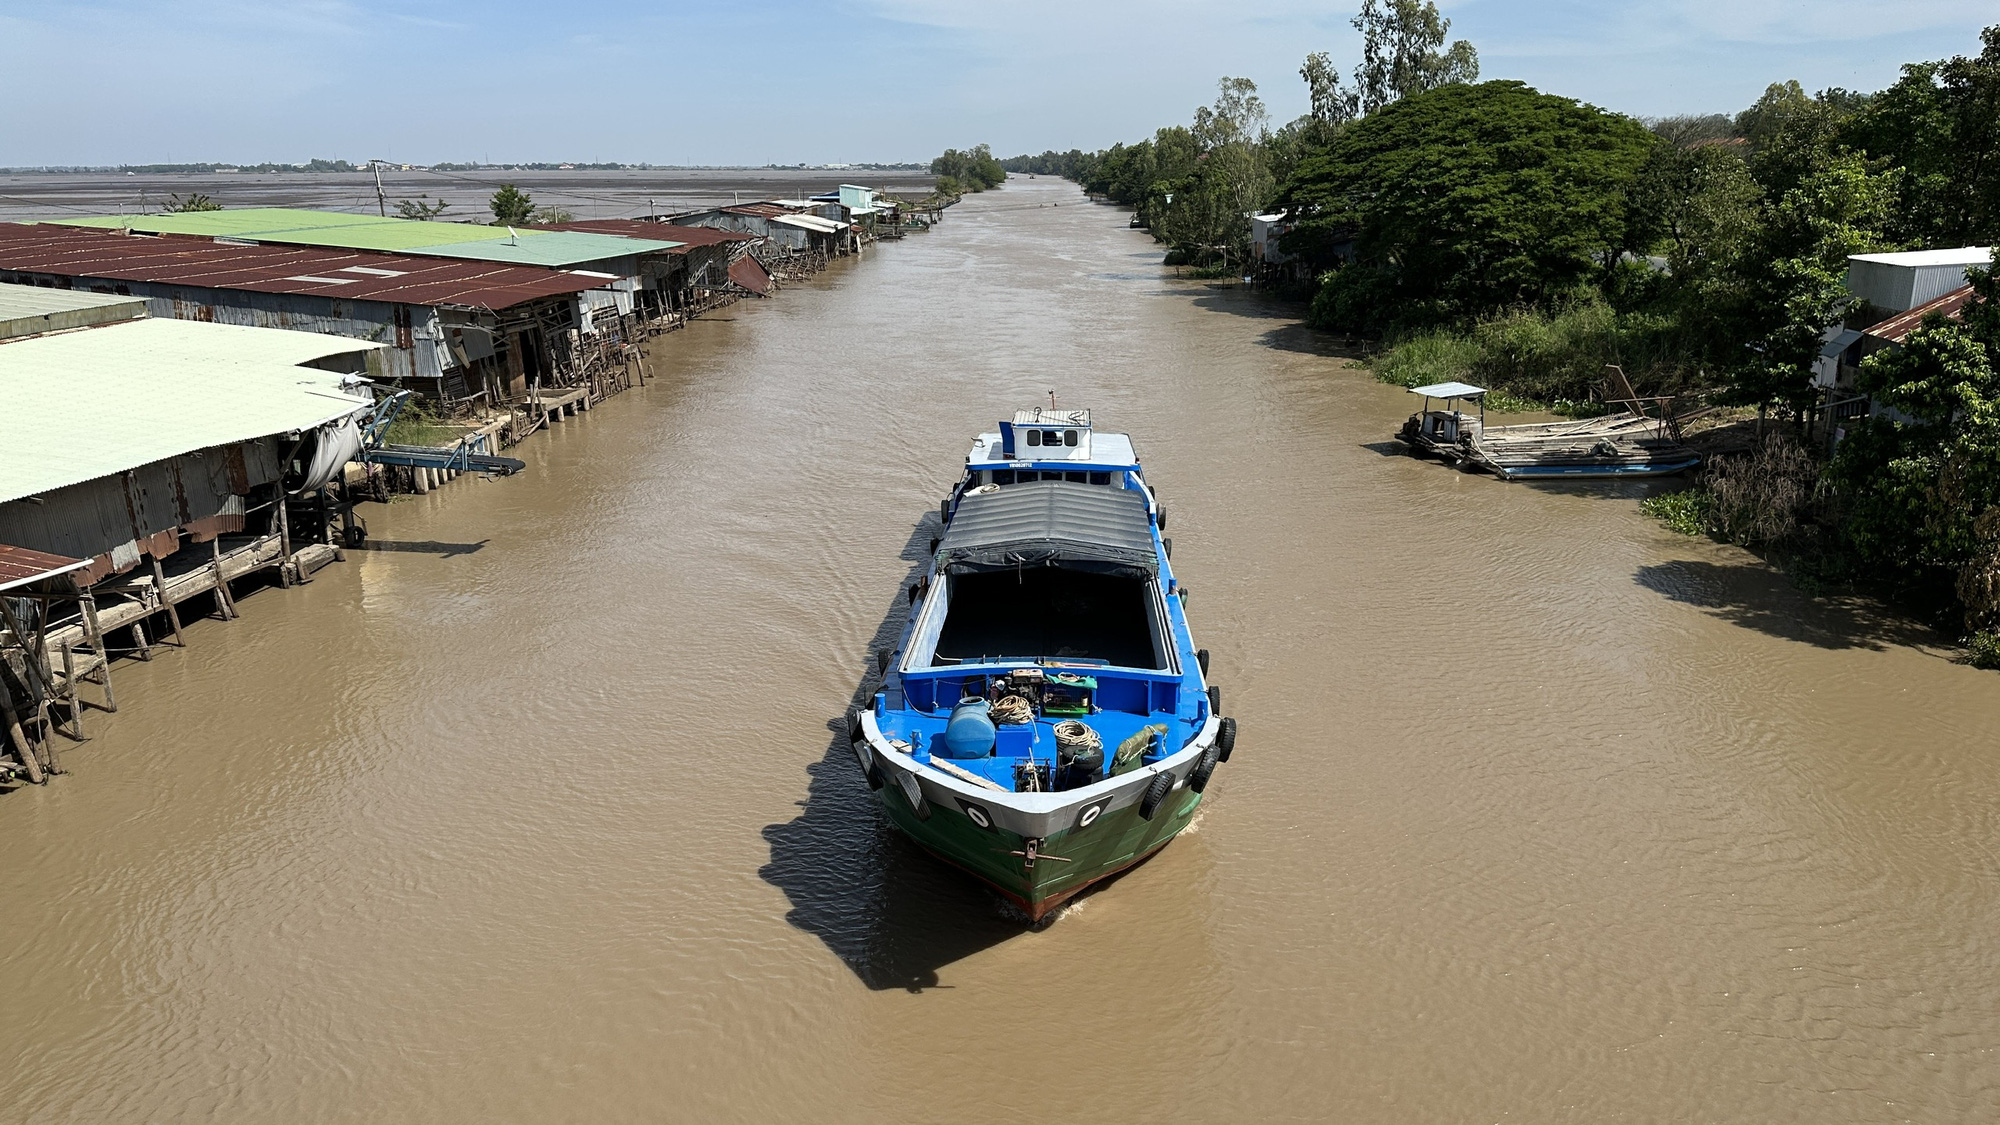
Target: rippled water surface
(534, 812)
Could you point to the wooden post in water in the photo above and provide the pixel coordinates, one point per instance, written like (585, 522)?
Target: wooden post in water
(96, 636)
(284, 541)
(167, 603)
(19, 740)
(69, 687)
(223, 600)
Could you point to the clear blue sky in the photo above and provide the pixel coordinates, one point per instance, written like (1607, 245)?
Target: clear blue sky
(110, 81)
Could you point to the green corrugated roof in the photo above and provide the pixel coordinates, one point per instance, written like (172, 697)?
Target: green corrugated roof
(555, 249)
(228, 224)
(83, 405)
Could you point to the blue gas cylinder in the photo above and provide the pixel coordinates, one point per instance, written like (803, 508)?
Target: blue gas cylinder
(969, 732)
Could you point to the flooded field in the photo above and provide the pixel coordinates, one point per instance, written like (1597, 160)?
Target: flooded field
(535, 811)
(28, 196)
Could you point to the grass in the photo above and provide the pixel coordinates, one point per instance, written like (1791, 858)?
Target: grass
(418, 425)
(1686, 512)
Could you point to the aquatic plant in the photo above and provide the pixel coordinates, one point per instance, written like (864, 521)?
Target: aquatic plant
(1687, 511)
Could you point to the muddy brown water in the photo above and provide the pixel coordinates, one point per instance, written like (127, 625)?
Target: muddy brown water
(534, 813)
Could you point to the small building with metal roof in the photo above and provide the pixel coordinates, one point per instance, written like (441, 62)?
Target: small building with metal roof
(452, 328)
(120, 439)
(28, 311)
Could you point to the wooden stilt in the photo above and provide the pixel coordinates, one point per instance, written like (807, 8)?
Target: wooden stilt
(69, 691)
(140, 644)
(96, 636)
(167, 603)
(224, 601)
(284, 541)
(19, 739)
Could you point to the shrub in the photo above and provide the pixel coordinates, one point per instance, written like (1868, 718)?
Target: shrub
(1772, 498)
(1983, 648)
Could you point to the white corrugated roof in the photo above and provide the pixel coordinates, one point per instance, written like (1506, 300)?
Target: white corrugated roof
(28, 309)
(809, 222)
(1448, 390)
(1962, 256)
(86, 404)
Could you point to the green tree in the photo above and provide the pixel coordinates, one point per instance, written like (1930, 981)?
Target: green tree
(193, 201)
(1941, 124)
(1465, 200)
(1403, 52)
(420, 208)
(1795, 273)
(1922, 488)
(511, 206)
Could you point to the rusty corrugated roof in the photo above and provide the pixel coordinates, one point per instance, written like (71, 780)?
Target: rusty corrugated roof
(642, 228)
(19, 566)
(1897, 328)
(84, 252)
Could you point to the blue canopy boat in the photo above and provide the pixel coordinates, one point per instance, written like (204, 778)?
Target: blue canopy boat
(1045, 720)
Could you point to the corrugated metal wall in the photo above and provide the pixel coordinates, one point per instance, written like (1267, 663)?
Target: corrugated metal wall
(133, 513)
(417, 351)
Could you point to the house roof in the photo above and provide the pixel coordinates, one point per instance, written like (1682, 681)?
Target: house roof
(28, 309)
(79, 252)
(1897, 328)
(83, 405)
(1961, 256)
(21, 567)
(688, 237)
(286, 226)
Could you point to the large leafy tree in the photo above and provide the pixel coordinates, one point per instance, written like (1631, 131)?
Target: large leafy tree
(1464, 200)
(1403, 52)
(1941, 124)
(1794, 269)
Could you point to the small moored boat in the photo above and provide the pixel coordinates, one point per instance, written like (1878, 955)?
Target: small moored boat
(1045, 719)
(1627, 444)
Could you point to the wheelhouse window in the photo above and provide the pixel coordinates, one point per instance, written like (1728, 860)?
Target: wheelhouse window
(1069, 437)
(1034, 437)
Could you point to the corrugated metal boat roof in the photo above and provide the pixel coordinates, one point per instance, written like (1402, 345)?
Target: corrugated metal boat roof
(83, 405)
(354, 275)
(1042, 522)
(28, 309)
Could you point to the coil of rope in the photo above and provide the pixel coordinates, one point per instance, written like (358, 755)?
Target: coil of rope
(1012, 709)
(1074, 739)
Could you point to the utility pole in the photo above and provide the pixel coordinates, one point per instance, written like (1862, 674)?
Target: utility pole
(381, 201)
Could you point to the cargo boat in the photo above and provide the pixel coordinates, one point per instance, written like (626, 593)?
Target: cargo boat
(1045, 720)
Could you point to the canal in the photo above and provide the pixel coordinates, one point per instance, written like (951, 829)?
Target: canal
(536, 810)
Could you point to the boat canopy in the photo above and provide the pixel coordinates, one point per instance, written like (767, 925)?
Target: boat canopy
(1051, 523)
(1449, 390)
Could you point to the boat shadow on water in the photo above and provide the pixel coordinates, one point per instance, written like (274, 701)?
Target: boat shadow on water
(890, 911)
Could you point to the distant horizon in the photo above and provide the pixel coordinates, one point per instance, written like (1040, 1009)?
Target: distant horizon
(904, 79)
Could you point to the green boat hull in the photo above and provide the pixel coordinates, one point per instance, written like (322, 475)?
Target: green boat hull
(1066, 863)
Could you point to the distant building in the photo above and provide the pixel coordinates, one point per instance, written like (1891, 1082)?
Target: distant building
(1901, 281)
(450, 328)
